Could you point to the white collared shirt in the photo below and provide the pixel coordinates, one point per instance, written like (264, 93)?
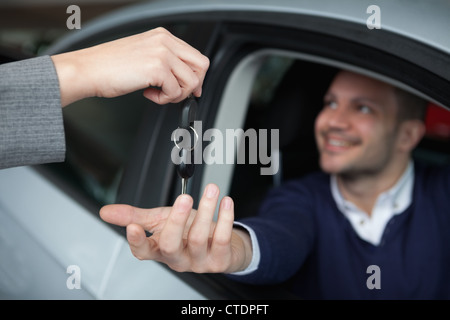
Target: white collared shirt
(370, 228)
(388, 204)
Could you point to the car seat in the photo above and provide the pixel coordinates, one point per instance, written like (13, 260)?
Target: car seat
(434, 148)
(292, 110)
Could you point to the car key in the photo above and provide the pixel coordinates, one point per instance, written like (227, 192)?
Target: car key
(185, 170)
(186, 167)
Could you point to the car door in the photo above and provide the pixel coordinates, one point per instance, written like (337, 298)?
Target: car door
(54, 245)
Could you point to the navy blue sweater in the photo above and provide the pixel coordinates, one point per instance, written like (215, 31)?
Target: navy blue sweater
(305, 239)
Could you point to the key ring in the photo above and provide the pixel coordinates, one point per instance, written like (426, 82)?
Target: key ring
(175, 141)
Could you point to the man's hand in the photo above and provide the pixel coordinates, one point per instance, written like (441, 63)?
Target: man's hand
(183, 238)
(167, 67)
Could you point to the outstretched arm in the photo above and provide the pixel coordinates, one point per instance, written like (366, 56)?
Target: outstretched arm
(183, 238)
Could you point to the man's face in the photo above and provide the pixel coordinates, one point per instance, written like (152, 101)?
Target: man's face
(356, 129)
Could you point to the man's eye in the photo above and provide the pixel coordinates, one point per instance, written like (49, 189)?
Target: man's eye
(365, 109)
(330, 104)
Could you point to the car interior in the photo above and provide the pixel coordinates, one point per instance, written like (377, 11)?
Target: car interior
(287, 95)
(292, 108)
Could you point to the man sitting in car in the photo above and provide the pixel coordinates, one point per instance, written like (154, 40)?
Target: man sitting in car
(373, 225)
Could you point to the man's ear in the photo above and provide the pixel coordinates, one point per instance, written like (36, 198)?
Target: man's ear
(410, 134)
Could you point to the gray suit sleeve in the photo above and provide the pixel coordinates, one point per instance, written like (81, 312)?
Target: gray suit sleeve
(31, 124)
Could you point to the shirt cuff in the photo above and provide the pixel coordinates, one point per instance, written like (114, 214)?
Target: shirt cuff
(256, 253)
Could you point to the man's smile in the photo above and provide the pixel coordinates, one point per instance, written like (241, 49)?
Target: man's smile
(337, 143)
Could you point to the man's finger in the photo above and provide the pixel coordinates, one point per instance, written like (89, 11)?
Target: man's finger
(123, 215)
(199, 233)
(221, 242)
(142, 247)
(171, 237)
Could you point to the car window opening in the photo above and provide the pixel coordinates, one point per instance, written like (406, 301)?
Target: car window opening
(287, 95)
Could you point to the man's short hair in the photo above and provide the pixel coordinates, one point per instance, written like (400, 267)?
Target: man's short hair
(410, 106)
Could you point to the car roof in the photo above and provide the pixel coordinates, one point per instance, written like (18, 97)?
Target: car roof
(423, 21)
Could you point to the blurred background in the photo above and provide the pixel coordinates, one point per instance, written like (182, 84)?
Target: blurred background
(28, 26)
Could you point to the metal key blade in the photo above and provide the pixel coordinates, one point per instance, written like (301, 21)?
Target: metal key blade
(183, 186)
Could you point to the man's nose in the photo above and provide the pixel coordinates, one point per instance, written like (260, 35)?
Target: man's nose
(339, 118)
